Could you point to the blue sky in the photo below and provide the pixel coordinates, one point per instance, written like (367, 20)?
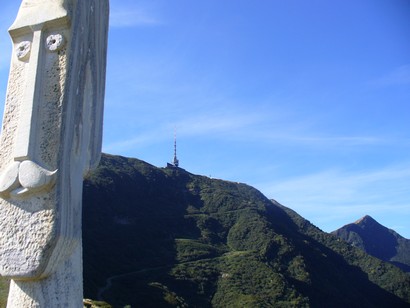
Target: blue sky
(308, 101)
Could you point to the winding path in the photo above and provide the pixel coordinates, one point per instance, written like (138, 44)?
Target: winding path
(109, 280)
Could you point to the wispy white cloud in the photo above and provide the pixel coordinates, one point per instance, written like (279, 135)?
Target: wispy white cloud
(216, 124)
(310, 138)
(217, 119)
(271, 127)
(334, 195)
(213, 125)
(125, 17)
(336, 186)
(140, 140)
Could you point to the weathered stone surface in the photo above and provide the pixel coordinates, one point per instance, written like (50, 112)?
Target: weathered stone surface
(51, 136)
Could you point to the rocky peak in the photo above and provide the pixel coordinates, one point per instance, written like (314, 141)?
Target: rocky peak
(377, 240)
(367, 222)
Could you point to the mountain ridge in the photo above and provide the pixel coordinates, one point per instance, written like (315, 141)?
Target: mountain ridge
(179, 239)
(377, 240)
(163, 237)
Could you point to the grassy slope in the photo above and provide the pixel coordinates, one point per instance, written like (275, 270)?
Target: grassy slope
(176, 239)
(186, 240)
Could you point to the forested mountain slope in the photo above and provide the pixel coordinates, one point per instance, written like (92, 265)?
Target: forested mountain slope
(162, 237)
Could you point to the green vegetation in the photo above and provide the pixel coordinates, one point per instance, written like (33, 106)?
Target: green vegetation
(382, 274)
(378, 241)
(167, 238)
(4, 291)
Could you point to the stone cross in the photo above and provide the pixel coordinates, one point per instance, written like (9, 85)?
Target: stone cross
(51, 137)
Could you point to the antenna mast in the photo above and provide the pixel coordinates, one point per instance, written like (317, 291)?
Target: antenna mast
(176, 161)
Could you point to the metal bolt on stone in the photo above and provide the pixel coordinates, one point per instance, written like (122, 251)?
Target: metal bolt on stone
(51, 137)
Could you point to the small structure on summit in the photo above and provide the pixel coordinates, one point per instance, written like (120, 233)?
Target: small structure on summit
(175, 161)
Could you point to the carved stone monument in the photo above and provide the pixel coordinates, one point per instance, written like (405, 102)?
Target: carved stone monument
(51, 137)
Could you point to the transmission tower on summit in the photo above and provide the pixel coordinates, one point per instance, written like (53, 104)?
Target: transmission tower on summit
(175, 161)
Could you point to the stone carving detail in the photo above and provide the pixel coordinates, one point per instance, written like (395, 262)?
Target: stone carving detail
(51, 136)
(21, 179)
(23, 50)
(55, 42)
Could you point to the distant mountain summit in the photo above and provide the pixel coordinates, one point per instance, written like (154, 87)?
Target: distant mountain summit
(378, 241)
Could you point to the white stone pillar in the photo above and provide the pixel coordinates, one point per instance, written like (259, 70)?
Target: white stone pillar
(51, 137)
